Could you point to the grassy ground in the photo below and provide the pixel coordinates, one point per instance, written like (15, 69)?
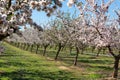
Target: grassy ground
(93, 67)
(16, 64)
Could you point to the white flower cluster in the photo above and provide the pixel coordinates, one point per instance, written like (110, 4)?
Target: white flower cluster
(70, 2)
(15, 13)
(45, 5)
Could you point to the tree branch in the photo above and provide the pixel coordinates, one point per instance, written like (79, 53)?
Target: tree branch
(9, 3)
(110, 51)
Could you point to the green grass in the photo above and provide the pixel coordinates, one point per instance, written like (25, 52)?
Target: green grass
(93, 67)
(17, 64)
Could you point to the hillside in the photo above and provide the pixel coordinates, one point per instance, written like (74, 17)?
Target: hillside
(16, 64)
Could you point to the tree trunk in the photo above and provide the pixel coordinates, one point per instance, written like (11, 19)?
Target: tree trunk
(116, 67)
(59, 48)
(37, 49)
(116, 62)
(27, 46)
(99, 50)
(77, 52)
(44, 52)
(31, 47)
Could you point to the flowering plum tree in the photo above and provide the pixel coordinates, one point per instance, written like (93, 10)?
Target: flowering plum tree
(31, 36)
(74, 32)
(58, 36)
(15, 13)
(102, 32)
(14, 38)
(94, 26)
(45, 41)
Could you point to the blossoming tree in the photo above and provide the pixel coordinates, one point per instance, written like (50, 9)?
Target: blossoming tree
(104, 32)
(15, 13)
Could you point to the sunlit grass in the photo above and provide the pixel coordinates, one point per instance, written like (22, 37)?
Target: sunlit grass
(17, 64)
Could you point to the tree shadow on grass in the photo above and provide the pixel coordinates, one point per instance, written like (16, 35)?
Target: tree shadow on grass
(16, 64)
(98, 64)
(88, 64)
(94, 61)
(10, 55)
(37, 75)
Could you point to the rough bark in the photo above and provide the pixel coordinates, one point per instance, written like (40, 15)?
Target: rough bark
(27, 46)
(116, 62)
(37, 49)
(116, 67)
(76, 57)
(3, 36)
(99, 50)
(58, 51)
(44, 52)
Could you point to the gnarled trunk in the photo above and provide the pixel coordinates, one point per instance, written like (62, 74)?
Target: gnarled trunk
(76, 57)
(37, 49)
(116, 67)
(27, 46)
(44, 52)
(116, 62)
(3, 35)
(59, 48)
(99, 50)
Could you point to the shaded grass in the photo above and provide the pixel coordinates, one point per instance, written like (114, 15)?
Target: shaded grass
(93, 68)
(16, 64)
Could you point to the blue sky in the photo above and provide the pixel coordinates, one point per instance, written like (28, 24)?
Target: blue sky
(41, 18)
